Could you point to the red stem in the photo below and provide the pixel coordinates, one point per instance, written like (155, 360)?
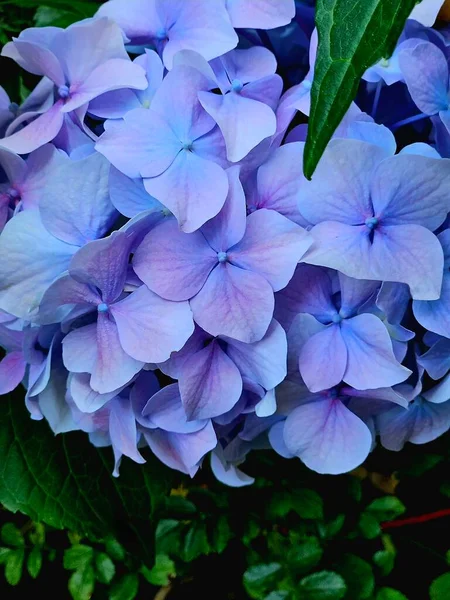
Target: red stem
(438, 514)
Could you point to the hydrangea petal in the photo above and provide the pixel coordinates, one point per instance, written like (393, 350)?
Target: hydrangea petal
(210, 383)
(272, 247)
(165, 411)
(12, 371)
(327, 436)
(323, 359)
(174, 264)
(151, 328)
(370, 362)
(235, 303)
(260, 14)
(263, 362)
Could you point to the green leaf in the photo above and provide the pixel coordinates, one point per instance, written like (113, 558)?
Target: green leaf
(12, 536)
(422, 464)
(324, 585)
(180, 506)
(388, 593)
(14, 566)
(162, 572)
(353, 35)
(82, 583)
(369, 526)
(447, 557)
(333, 527)
(440, 588)
(305, 555)
(78, 556)
(308, 504)
(63, 481)
(34, 562)
(4, 553)
(260, 578)
(386, 508)
(126, 588)
(168, 537)
(221, 534)
(358, 576)
(114, 549)
(385, 561)
(196, 542)
(279, 595)
(104, 567)
(37, 534)
(56, 17)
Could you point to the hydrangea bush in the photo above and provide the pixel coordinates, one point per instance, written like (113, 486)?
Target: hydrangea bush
(169, 277)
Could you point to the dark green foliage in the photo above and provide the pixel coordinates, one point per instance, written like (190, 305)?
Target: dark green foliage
(353, 35)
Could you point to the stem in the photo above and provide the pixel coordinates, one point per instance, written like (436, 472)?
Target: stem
(163, 592)
(376, 98)
(409, 120)
(438, 514)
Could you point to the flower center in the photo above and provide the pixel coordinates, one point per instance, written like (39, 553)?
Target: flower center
(336, 318)
(161, 34)
(222, 257)
(371, 222)
(237, 85)
(187, 146)
(13, 194)
(103, 307)
(307, 84)
(63, 91)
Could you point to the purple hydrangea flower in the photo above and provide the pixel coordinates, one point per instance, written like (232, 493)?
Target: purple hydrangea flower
(374, 215)
(229, 269)
(172, 25)
(83, 61)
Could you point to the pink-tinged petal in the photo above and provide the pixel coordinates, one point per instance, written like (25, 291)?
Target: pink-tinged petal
(151, 328)
(323, 359)
(143, 140)
(192, 188)
(327, 436)
(260, 14)
(165, 411)
(80, 349)
(114, 74)
(250, 64)
(14, 167)
(199, 25)
(182, 451)
(228, 473)
(138, 18)
(12, 371)
(272, 246)
(425, 70)
(103, 264)
(228, 227)
(122, 429)
(85, 398)
(183, 111)
(411, 189)
(75, 205)
(404, 253)
(210, 383)
(113, 367)
(263, 362)
(280, 181)
(40, 131)
(173, 264)
(235, 303)
(40, 60)
(243, 122)
(266, 90)
(64, 294)
(340, 187)
(370, 362)
(35, 260)
(435, 315)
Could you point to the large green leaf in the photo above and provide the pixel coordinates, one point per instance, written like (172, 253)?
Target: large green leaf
(66, 482)
(353, 35)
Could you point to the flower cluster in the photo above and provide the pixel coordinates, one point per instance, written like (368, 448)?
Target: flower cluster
(168, 277)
